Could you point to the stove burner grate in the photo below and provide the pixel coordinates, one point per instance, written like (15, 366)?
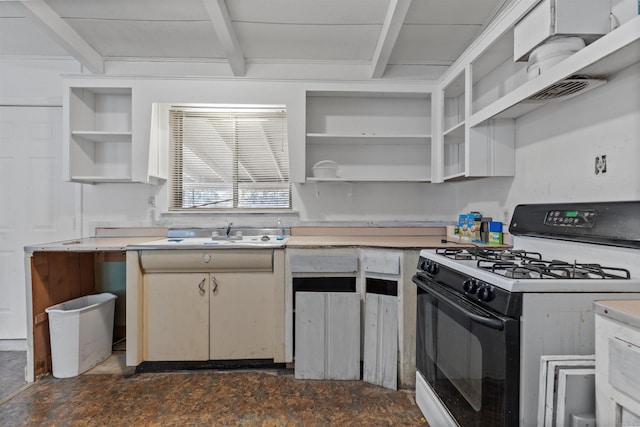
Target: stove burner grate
(522, 264)
(540, 269)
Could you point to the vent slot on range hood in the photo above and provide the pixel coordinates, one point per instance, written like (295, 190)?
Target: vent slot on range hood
(567, 88)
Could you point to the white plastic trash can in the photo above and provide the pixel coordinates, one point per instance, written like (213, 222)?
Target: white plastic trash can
(81, 332)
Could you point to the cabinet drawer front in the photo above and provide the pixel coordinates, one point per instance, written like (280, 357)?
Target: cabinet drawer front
(624, 359)
(204, 260)
(385, 263)
(323, 263)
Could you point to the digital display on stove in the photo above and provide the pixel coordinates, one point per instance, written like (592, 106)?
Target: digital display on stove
(575, 218)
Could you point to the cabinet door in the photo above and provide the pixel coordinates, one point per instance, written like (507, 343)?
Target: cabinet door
(327, 335)
(242, 318)
(176, 316)
(380, 358)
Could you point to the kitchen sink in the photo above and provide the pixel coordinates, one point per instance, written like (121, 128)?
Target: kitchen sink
(197, 239)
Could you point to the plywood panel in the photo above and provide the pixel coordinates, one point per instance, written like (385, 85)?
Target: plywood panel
(56, 277)
(40, 282)
(40, 297)
(62, 279)
(86, 274)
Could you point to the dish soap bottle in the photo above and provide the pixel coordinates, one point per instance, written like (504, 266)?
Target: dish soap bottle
(279, 230)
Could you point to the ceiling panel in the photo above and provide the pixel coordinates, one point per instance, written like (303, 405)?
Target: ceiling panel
(308, 42)
(146, 10)
(451, 11)
(278, 32)
(182, 39)
(20, 36)
(425, 43)
(353, 12)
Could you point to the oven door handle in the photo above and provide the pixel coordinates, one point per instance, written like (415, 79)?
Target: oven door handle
(490, 322)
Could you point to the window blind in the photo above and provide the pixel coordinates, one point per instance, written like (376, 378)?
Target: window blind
(229, 158)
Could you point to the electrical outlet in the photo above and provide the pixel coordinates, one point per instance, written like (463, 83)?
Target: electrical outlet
(151, 201)
(601, 164)
(505, 216)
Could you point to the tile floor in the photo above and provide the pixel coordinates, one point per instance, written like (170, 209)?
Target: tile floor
(12, 365)
(109, 395)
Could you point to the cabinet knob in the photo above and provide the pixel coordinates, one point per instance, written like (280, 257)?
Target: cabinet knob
(206, 258)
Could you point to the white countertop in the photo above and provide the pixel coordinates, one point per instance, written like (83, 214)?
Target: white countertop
(90, 244)
(625, 311)
(305, 237)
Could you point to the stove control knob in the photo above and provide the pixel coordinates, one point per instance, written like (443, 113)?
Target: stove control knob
(485, 293)
(470, 286)
(433, 268)
(422, 265)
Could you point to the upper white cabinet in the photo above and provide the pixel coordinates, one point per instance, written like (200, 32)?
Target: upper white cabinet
(100, 140)
(551, 18)
(485, 91)
(453, 125)
(372, 136)
(99, 134)
(505, 91)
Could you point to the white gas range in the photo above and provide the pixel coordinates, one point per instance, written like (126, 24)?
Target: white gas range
(485, 317)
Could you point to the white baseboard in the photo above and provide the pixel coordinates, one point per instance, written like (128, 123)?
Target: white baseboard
(13, 345)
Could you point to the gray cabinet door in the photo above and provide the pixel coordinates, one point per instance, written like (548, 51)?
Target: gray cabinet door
(381, 341)
(327, 336)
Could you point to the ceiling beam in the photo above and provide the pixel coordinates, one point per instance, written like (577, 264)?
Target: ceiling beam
(219, 15)
(64, 35)
(393, 21)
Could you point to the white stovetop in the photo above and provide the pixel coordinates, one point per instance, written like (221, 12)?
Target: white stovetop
(566, 251)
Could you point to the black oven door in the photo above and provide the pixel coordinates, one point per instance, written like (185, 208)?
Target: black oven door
(469, 356)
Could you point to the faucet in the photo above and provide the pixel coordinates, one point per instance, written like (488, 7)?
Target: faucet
(228, 230)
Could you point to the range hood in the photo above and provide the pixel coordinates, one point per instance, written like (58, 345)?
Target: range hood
(567, 88)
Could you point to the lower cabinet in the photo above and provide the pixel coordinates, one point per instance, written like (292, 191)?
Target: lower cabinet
(176, 316)
(617, 329)
(208, 316)
(241, 316)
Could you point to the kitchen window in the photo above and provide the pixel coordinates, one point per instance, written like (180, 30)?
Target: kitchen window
(229, 158)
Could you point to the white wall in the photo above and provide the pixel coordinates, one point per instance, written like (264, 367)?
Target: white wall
(34, 81)
(555, 152)
(35, 205)
(556, 147)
